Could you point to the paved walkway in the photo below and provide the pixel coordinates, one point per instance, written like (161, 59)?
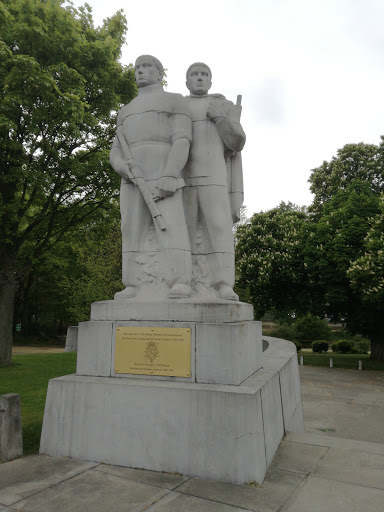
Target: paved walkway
(333, 467)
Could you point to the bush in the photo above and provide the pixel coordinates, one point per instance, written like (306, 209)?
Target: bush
(298, 345)
(342, 347)
(320, 346)
(284, 331)
(312, 328)
(362, 347)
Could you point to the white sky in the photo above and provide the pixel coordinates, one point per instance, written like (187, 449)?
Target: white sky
(311, 73)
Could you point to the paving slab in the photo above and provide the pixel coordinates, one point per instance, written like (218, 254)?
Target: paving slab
(321, 413)
(323, 495)
(277, 487)
(176, 502)
(164, 480)
(354, 467)
(373, 395)
(26, 476)
(369, 426)
(343, 403)
(93, 491)
(347, 444)
(357, 421)
(300, 458)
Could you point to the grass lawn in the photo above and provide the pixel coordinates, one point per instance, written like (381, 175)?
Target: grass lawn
(350, 361)
(28, 376)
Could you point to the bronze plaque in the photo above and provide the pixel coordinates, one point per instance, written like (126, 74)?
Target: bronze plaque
(153, 351)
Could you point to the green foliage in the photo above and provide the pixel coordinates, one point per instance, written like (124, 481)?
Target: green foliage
(269, 261)
(342, 347)
(61, 86)
(28, 376)
(363, 162)
(310, 327)
(347, 230)
(82, 268)
(284, 331)
(362, 347)
(320, 346)
(299, 346)
(366, 273)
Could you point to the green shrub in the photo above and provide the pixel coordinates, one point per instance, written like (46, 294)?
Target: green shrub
(311, 328)
(362, 347)
(320, 346)
(298, 345)
(342, 347)
(284, 331)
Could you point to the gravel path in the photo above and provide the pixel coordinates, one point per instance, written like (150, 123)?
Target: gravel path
(36, 350)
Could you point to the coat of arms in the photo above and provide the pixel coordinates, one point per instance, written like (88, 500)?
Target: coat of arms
(151, 351)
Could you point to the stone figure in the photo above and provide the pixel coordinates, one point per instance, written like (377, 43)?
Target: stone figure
(149, 152)
(213, 177)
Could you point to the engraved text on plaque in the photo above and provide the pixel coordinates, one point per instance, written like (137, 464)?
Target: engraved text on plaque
(153, 351)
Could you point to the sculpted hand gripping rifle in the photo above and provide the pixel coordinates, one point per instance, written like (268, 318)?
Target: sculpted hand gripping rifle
(135, 175)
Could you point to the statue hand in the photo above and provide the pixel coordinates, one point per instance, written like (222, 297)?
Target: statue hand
(123, 170)
(166, 186)
(215, 111)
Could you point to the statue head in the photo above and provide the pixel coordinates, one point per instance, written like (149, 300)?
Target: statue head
(148, 71)
(199, 78)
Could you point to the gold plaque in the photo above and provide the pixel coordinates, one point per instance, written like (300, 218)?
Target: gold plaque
(153, 351)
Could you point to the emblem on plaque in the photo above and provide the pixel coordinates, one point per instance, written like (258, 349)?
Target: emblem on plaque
(151, 351)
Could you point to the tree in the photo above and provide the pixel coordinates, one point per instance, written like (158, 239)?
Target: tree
(329, 260)
(269, 262)
(61, 86)
(366, 275)
(354, 161)
(345, 241)
(83, 267)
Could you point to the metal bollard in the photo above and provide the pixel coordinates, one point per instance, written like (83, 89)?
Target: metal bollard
(330, 362)
(360, 365)
(301, 361)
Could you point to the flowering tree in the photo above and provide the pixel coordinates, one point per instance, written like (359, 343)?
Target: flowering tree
(269, 261)
(329, 259)
(366, 275)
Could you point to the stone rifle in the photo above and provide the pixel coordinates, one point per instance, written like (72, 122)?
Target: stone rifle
(135, 175)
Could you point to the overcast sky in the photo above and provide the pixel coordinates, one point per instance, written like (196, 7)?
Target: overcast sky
(311, 73)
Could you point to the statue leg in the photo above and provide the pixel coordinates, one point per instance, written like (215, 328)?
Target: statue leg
(135, 224)
(175, 246)
(216, 216)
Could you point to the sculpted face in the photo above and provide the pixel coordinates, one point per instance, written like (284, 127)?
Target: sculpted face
(146, 72)
(199, 80)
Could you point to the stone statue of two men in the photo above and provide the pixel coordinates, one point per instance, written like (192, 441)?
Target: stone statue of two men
(181, 189)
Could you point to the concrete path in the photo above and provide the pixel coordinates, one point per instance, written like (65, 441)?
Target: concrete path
(319, 471)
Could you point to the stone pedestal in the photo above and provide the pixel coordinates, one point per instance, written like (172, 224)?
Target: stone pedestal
(71, 339)
(11, 435)
(225, 421)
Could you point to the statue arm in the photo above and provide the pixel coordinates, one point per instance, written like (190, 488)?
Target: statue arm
(116, 156)
(229, 129)
(178, 154)
(117, 160)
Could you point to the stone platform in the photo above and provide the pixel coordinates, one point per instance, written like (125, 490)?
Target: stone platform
(224, 422)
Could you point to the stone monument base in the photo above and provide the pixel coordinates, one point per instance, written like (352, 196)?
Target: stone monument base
(225, 421)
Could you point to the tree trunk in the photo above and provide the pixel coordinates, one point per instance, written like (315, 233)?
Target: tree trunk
(7, 302)
(377, 349)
